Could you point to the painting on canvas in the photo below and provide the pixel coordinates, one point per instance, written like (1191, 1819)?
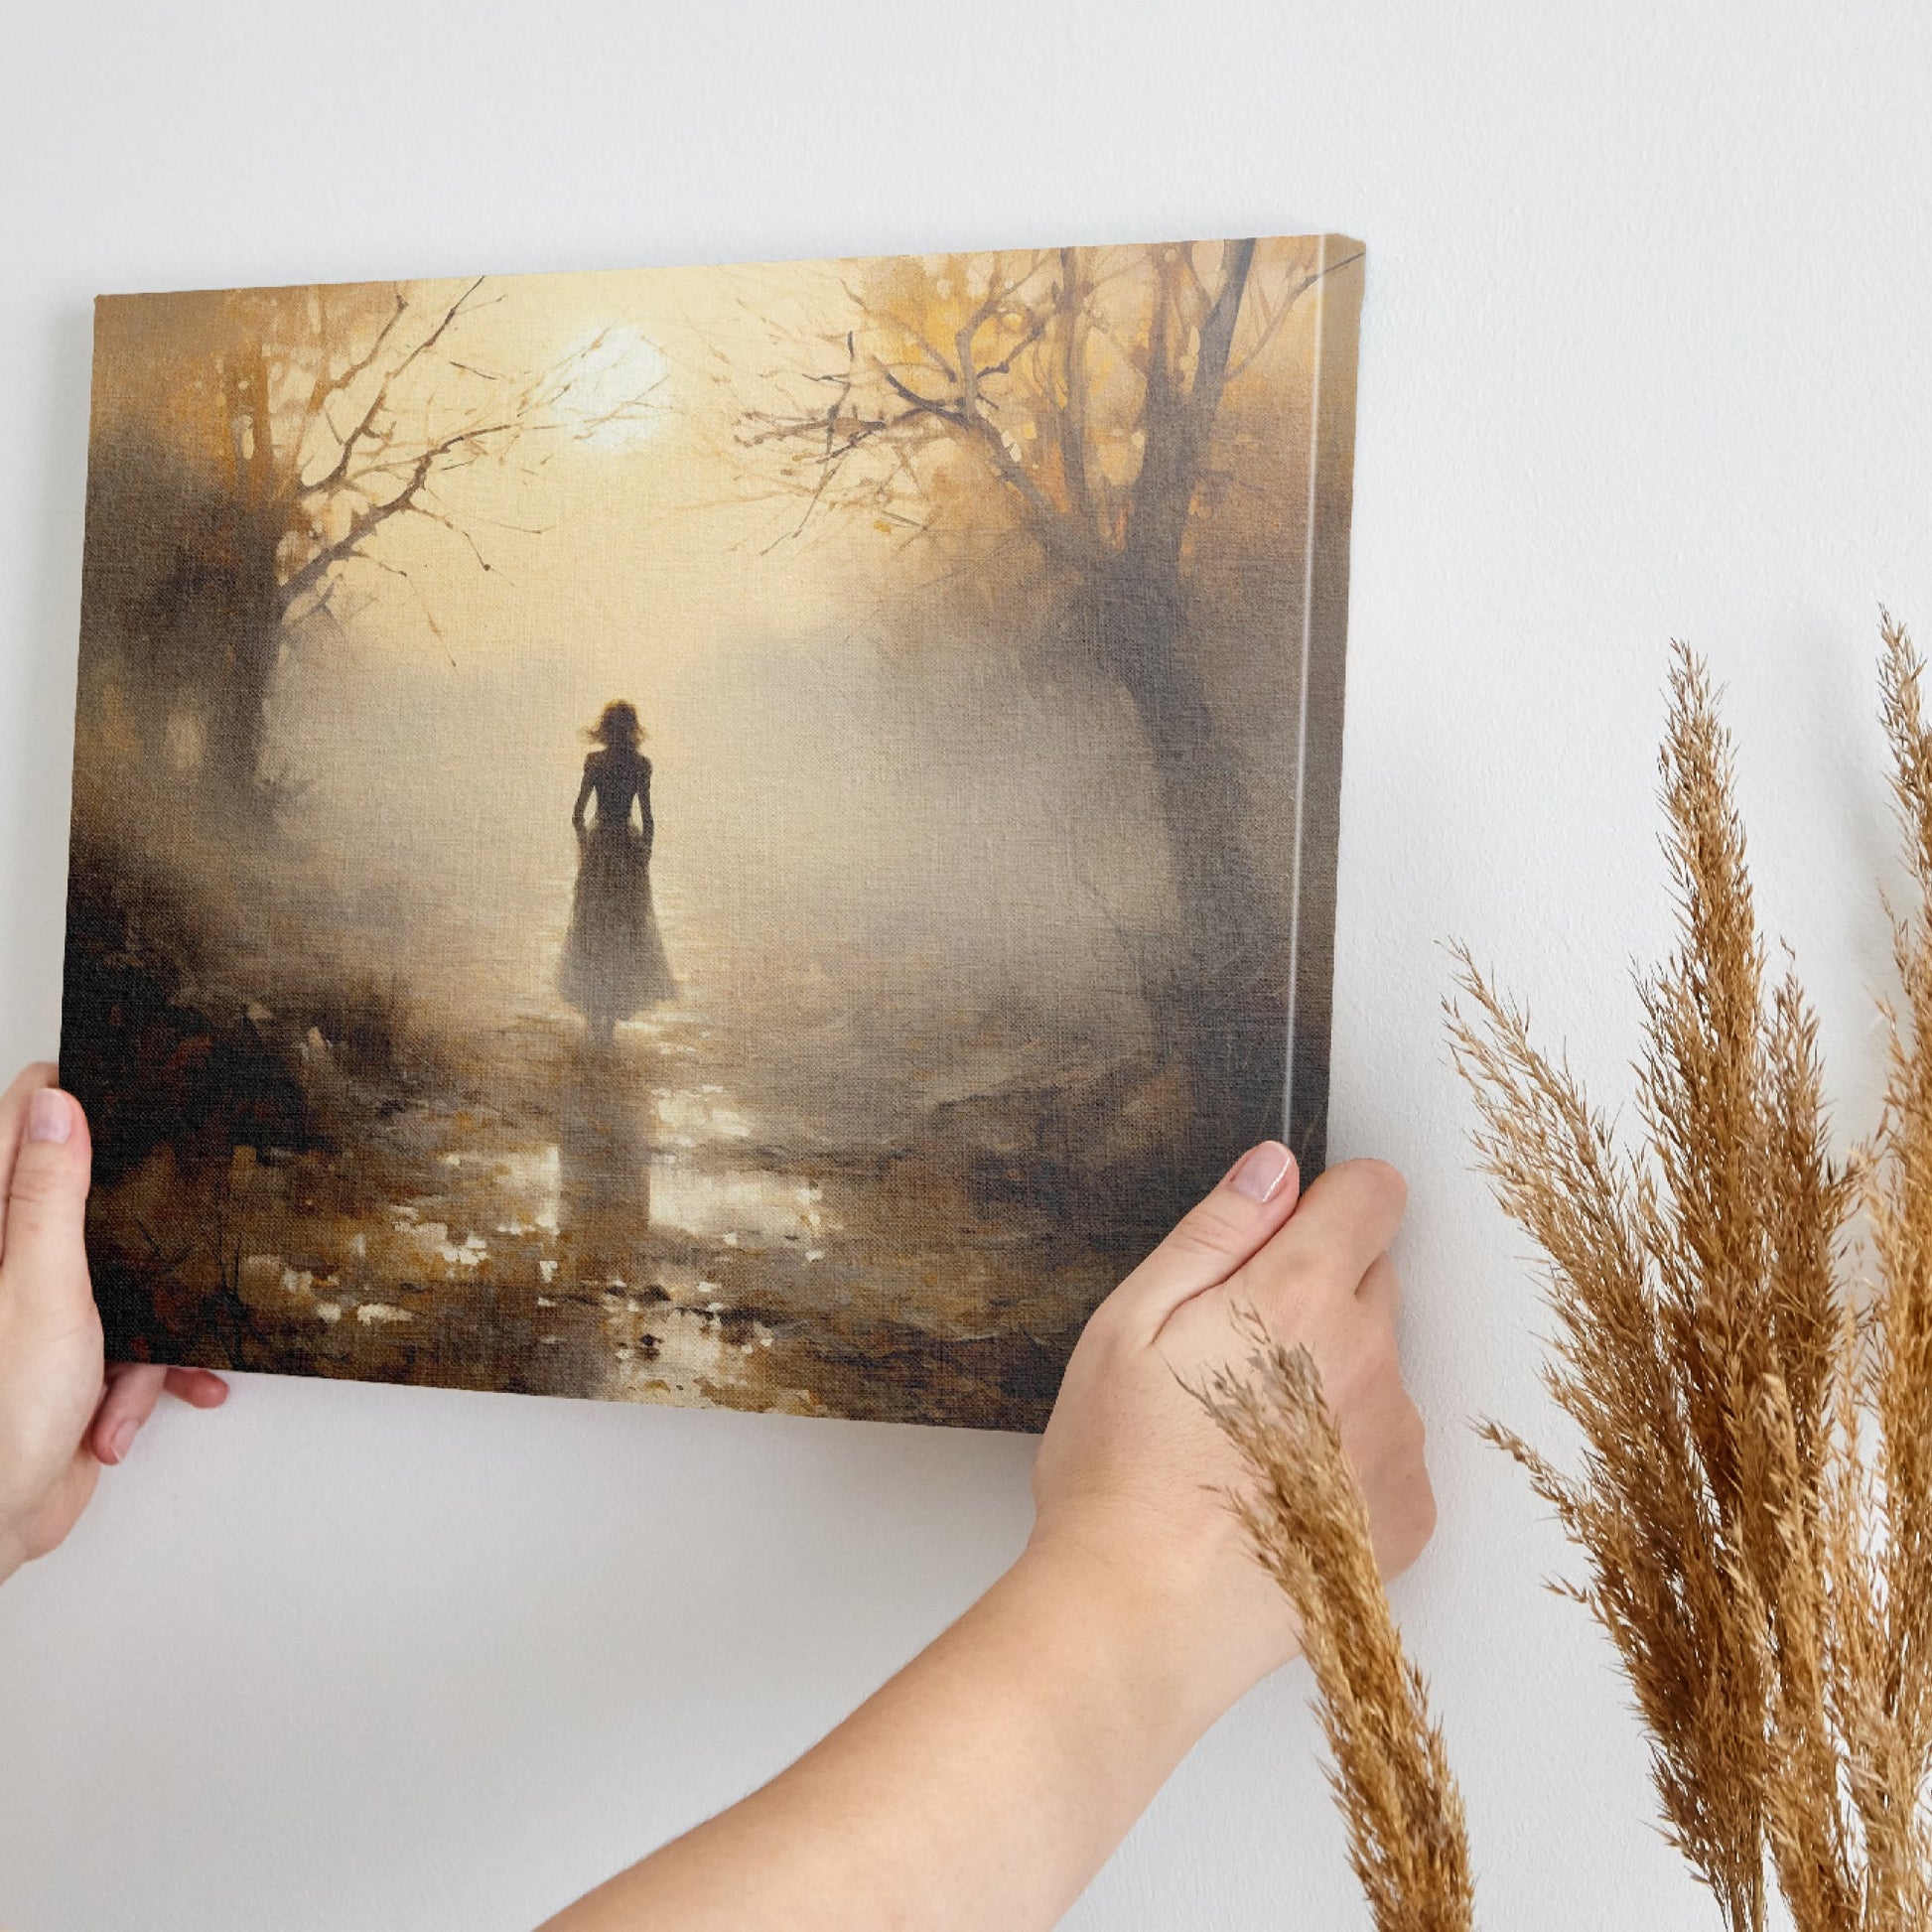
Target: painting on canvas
(740, 836)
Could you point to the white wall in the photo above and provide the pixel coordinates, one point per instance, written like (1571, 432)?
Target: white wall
(1644, 354)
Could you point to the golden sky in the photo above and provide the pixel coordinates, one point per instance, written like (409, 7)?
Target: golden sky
(830, 754)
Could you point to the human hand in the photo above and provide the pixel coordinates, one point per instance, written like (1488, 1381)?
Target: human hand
(1042, 1720)
(1132, 1471)
(63, 1412)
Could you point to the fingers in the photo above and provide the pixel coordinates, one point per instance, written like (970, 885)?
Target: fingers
(1256, 1196)
(14, 1104)
(1343, 1224)
(43, 1260)
(133, 1389)
(200, 1388)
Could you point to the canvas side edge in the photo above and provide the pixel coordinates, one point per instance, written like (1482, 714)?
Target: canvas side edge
(1321, 703)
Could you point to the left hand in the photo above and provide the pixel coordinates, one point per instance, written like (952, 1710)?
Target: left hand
(64, 1412)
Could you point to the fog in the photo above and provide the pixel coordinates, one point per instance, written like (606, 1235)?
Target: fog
(854, 802)
(968, 720)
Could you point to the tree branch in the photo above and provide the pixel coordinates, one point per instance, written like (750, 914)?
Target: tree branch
(339, 470)
(1276, 317)
(327, 386)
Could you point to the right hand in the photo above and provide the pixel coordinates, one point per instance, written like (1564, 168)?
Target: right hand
(1132, 1475)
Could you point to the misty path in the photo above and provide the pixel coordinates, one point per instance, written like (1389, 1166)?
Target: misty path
(681, 1218)
(840, 1179)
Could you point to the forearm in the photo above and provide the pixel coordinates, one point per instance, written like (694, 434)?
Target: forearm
(984, 1785)
(990, 1779)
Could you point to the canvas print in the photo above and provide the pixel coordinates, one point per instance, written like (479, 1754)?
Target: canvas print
(741, 836)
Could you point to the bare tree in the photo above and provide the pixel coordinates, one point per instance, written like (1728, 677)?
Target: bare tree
(329, 415)
(1082, 388)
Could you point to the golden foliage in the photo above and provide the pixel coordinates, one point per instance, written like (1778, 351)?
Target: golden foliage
(1309, 1524)
(1048, 396)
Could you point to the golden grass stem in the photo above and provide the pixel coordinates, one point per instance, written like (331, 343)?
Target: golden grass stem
(1308, 1525)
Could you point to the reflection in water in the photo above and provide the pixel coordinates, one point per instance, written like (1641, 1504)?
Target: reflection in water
(532, 1178)
(634, 1309)
(736, 1206)
(603, 1165)
(627, 1230)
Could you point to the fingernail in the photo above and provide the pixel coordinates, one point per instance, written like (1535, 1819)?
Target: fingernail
(49, 1115)
(1262, 1171)
(122, 1439)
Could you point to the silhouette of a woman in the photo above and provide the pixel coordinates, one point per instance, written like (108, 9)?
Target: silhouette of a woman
(613, 960)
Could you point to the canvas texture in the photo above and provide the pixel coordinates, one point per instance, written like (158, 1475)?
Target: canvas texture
(740, 836)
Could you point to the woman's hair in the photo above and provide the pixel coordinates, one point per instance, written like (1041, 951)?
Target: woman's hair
(617, 727)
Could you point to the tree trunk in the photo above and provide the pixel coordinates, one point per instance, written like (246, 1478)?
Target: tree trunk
(244, 602)
(1224, 1001)
(1220, 998)
(249, 616)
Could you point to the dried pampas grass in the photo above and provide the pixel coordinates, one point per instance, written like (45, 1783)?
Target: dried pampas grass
(1754, 1496)
(1753, 1391)
(1309, 1524)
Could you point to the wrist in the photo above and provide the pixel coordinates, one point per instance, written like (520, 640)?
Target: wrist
(1166, 1644)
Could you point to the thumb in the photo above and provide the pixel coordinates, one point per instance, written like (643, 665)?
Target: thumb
(1214, 1238)
(43, 1236)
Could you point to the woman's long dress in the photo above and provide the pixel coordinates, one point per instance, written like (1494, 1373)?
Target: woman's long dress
(614, 964)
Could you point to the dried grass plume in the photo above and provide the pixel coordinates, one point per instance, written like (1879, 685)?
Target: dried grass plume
(1753, 1387)
(1309, 1524)
(1753, 1502)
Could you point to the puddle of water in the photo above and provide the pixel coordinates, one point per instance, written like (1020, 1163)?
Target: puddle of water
(433, 1238)
(720, 1203)
(730, 1206)
(689, 1115)
(480, 1245)
(535, 1178)
(678, 1355)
